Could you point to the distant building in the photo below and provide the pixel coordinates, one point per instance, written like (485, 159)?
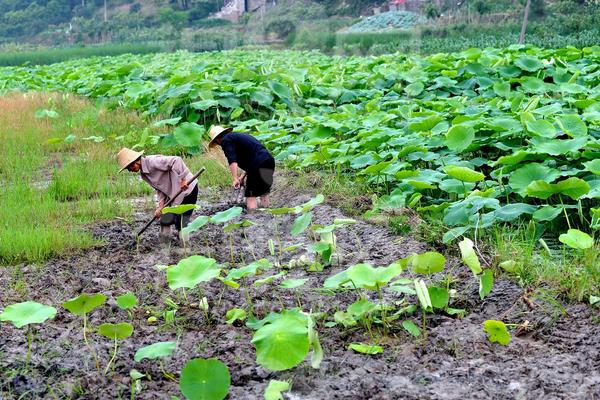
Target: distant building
(405, 5)
(233, 9)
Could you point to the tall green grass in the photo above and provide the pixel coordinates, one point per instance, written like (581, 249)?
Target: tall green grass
(51, 190)
(50, 56)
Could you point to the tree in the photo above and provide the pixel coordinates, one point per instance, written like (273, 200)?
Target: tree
(525, 20)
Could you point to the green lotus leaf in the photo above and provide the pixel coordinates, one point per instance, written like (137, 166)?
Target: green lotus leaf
(502, 88)
(180, 209)
(557, 147)
(414, 89)
(84, 303)
(301, 223)
(364, 348)
(428, 263)
(469, 257)
(205, 379)
(486, 283)
(531, 84)
(547, 213)
(196, 224)
(191, 271)
(293, 283)
(522, 177)
(573, 187)
(188, 134)
(274, 389)
(439, 297)
(464, 174)
(459, 137)
(572, 125)
(127, 301)
(28, 312)
(411, 328)
(282, 91)
(282, 343)
(251, 269)
(541, 128)
(497, 332)
(226, 216)
(529, 63)
(235, 314)
(593, 166)
(155, 350)
(577, 239)
(510, 212)
(118, 331)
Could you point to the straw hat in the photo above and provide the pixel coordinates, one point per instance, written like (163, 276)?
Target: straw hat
(214, 133)
(126, 157)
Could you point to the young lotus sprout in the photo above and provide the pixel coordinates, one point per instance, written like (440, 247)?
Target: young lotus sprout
(27, 313)
(82, 305)
(158, 351)
(115, 332)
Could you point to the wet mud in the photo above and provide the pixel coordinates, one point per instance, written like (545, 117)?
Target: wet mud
(556, 357)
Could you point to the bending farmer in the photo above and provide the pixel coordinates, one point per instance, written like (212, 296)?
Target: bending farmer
(167, 175)
(245, 152)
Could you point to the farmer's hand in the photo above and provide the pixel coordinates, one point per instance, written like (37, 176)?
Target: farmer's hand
(184, 184)
(158, 212)
(236, 183)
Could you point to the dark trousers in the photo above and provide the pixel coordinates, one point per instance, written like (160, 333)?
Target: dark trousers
(181, 220)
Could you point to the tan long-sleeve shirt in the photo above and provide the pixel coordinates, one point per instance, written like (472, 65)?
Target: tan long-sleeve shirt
(164, 174)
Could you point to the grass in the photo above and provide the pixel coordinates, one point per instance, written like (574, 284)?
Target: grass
(571, 274)
(50, 190)
(53, 188)
(50, 56)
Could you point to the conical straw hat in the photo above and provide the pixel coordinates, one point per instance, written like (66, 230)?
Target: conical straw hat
(214, 132)
(127, 156)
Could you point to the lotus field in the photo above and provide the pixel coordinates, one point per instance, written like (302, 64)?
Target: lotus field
(477, 138)
(301, 300)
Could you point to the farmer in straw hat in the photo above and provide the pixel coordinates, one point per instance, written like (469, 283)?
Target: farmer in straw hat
(167, 175)
(245, 152)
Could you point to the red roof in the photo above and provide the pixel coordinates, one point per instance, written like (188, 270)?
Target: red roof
(397, 2)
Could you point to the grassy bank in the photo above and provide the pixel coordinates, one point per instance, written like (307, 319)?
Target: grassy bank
(58, 173)
(50, 56)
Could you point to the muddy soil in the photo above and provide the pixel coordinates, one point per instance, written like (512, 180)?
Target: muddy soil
(558, 357)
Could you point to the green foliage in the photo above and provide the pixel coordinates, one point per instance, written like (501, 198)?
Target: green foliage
(84, 303)
(29, 312)
(576, 239)
(274, 389)
(127, 301)
(497, 332)
(118, 331)
(191, 271)
(282, 340)
(205, 379)
(155, 350)
(363, 348)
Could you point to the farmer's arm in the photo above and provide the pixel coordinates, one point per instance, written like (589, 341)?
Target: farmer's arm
(162, 199)
(229, 150)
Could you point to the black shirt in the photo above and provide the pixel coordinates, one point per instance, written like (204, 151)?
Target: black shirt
(244, 150)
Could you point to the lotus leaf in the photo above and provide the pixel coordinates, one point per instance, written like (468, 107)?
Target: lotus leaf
(205, 379)
(191, 271)
(497, 332)
(577, 239)
(28, 312)
(155, 350)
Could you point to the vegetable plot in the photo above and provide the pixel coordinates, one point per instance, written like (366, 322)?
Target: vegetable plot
(474, 138)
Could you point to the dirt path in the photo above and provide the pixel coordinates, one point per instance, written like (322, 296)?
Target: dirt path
(558, 359)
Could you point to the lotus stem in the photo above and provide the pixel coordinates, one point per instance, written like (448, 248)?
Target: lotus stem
(87, 343)
(113, 356)
(29, 340)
